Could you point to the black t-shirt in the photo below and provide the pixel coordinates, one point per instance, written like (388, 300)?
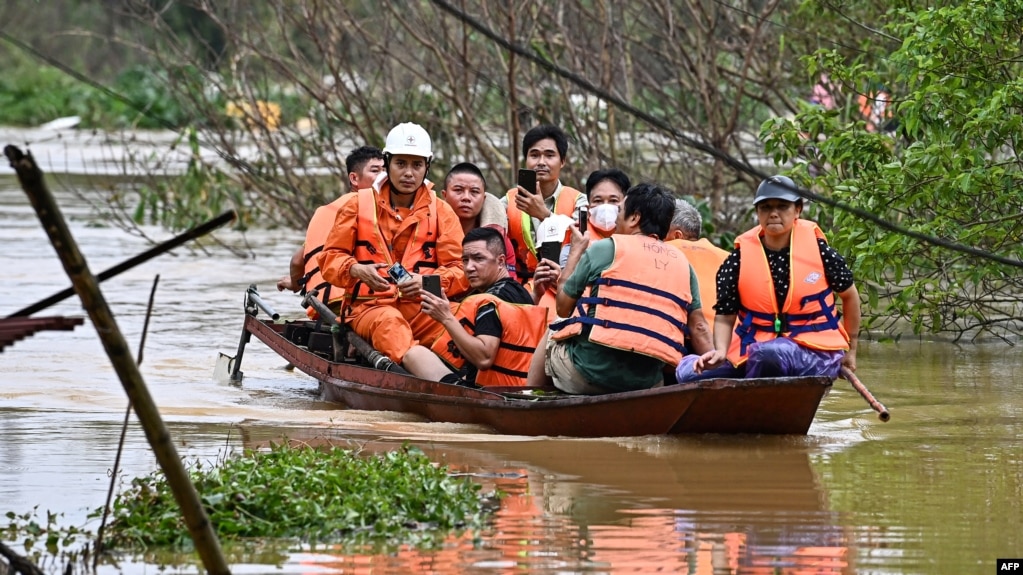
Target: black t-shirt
(510, 291)
(836, 272)
(487, 321)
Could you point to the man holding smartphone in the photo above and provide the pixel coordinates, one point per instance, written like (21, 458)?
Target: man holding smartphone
(490, 336)
(628, 300)
(545, 151)
(397, 220)
(364, 164)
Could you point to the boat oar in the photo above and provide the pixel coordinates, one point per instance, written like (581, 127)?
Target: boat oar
(147, 255)
(882, 411)
(374, 357)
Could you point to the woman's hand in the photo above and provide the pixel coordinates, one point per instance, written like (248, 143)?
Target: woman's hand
(709, 360)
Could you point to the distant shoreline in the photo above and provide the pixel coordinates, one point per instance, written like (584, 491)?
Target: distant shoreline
(93, 152)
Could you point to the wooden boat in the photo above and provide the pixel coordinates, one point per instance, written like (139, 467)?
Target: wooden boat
(729, 406)
(16, 328)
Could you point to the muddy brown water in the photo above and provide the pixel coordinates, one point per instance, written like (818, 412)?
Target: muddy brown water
(938, 489)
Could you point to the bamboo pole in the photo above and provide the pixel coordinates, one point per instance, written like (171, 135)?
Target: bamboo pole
(199, 527)
(882, 411)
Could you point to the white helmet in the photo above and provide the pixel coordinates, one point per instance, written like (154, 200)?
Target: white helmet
(410, 139)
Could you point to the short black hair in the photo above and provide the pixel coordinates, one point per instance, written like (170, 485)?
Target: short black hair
(494, 239)
(616, 176)
(361, 156)
(465, 168)
(655, 206)
(542, 132)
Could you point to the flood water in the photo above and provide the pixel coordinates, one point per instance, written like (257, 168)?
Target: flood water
(938, 489)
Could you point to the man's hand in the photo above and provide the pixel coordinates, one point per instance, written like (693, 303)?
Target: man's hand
(285, 283)
(367, 274)
(438, 308)
(531, 202)
(579, 240)
(545, 277)
(411, 289)
(296, 268)
(580, 243)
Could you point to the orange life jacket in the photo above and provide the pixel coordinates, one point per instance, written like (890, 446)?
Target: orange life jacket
(548, 298)
(705, 258)
(808, 315)
(875, 109)
(370, 247)
(521, 233)
(642, 301)
(319, 226)
(593, 234)
(522, 326)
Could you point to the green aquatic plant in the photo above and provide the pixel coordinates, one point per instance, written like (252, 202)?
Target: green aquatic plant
(316, 495)
(46, 542)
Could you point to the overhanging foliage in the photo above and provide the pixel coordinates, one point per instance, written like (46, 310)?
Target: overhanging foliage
(949, 167)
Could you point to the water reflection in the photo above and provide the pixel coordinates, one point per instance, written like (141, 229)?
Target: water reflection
(642, 505)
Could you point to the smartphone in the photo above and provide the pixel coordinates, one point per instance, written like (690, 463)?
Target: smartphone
(584, 217)
(431, 283)
(398, 273)
(527, 179)
(550, 251)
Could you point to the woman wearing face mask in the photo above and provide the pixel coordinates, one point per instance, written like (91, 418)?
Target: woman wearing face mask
(605, 190)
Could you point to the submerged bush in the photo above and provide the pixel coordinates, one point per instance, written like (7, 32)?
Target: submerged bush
(301, 492)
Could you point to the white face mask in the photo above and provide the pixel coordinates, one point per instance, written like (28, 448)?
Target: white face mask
(604, 217)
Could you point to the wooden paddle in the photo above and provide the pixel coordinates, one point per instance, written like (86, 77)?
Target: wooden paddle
(882, 411)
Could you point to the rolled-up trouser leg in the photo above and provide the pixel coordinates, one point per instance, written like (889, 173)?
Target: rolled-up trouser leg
(385, 329)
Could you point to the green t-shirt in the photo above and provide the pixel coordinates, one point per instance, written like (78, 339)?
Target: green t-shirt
(615, 369)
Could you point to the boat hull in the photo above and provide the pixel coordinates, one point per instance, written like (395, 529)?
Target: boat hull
(767, 406)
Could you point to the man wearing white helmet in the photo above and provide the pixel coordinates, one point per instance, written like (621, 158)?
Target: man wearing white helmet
(364, 164)
(397, 220)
